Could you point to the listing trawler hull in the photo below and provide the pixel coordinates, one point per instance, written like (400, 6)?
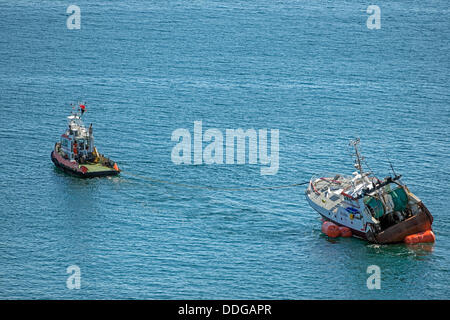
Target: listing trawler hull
(397, 233)
(420, 222)
(379, 211)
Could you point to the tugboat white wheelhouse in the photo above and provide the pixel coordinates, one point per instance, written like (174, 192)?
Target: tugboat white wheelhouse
(76, 154)
(378, 211)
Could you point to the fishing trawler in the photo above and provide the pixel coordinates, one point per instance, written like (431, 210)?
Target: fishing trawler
(380, 211)
(76, 154)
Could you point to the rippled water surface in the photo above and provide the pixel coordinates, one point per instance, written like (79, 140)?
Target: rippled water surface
(311, 69)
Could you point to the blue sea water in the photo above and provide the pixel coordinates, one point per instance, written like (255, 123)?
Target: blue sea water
(311, 69)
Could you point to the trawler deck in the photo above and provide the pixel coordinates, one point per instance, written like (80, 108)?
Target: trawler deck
(327, 192)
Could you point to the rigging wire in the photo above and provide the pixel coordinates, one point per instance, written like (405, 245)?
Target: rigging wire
(213, 188)
(390, 163)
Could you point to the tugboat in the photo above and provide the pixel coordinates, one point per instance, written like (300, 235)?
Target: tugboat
(378, 211)
(76, 154)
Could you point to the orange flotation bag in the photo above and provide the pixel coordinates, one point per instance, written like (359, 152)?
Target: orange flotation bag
(345, 232)
(330, 229)
(427, 236)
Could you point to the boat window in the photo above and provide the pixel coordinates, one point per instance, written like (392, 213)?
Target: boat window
(334, 197)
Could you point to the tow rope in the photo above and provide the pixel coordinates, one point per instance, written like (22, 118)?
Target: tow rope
(212, 188)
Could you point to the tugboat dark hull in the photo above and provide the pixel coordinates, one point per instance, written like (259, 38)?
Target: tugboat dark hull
(82, 171)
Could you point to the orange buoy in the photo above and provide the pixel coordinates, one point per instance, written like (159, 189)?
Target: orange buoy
(116, 167)
(345, 232)
(427, 236)
(330, 229)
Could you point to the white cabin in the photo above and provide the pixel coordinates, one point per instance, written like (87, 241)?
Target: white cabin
(77, 141)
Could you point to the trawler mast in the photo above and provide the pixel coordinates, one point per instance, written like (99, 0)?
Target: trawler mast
(355, 143)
